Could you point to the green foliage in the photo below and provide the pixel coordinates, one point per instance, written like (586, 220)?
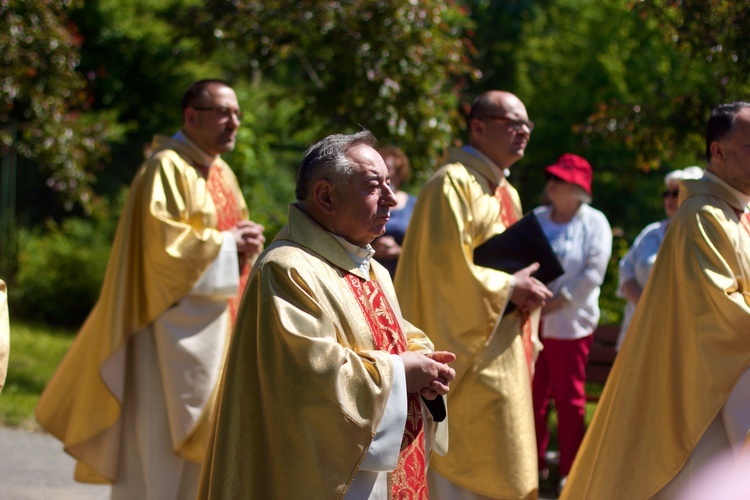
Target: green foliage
(715, 31)
(134, 64)
(626, 84)
(61, 267)
(601, 80)
(388, 65)
(632, 83)
(35, 352)
(44, 103)
(498, 27)
(268, 153)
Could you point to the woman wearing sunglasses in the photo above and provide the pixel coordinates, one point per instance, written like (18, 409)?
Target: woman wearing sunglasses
(636, 265)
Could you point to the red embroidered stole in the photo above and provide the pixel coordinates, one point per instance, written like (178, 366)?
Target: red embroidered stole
(744, 219)
(408, 480)
(228, 213)
(509, 217)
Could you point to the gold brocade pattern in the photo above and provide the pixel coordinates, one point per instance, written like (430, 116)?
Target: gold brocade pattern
(509, 217)
(408, 480)
(228, 214)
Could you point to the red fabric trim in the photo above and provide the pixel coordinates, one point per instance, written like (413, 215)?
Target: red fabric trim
(744, 219)
(408, 480)
(228, 214)
(509, 217)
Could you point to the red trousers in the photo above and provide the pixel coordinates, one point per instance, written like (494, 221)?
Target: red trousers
(561, 375)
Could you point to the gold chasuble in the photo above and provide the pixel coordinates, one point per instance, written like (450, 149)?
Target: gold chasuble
(308, 375)
(685, 349)
(168, 235)
(461, 305)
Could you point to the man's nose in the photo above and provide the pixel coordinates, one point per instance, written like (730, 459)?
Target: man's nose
(389, 196)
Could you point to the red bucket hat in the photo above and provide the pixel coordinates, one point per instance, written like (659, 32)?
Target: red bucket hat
(573, 169)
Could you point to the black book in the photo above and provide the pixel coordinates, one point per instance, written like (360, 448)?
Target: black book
(519, 246)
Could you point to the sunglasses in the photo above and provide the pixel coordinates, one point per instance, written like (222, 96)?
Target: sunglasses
(670, 194)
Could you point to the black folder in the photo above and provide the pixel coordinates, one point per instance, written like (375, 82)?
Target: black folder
(519, 246)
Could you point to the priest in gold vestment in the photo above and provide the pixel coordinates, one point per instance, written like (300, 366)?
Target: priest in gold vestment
(320, 396)
(679, 393)
(463, 307)
(132, 399)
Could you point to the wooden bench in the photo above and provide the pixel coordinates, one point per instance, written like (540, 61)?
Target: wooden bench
(601, 356)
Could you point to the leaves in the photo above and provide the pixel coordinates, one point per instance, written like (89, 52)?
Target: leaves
(44, 103)
(391, 66)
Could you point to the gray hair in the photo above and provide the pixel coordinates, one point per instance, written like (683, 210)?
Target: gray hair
(693, 172)
(583, 196)
(328, 160)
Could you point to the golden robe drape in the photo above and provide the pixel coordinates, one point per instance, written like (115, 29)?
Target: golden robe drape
(460, 305)
(686, 347)
(4, 333)
(304, 389)
(165, 240)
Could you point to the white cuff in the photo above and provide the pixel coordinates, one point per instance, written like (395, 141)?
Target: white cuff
(383, 453)
(222, 278)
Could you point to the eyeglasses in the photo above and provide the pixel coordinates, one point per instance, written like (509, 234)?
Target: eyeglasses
(221, 111)
(670, 194)
(515, 123)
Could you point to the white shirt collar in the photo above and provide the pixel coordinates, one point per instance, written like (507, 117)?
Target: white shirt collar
(360, 255)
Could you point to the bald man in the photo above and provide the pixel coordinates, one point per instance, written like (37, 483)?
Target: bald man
(463, 307)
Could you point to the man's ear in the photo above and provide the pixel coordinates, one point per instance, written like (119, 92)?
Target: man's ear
(188, 116)
(323, 195)
(717, 150)
(476, 128)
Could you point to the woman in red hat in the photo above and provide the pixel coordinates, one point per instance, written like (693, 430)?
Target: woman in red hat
(582, 240)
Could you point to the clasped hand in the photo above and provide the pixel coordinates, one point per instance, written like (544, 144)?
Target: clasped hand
(428, 374)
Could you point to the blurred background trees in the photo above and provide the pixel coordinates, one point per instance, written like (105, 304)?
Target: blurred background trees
(85, 85)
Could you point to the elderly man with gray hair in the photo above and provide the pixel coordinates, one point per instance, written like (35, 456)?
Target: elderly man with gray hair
(321, 391)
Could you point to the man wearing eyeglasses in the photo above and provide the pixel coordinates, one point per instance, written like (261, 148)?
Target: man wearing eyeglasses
(462, 305)
(133, 397)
